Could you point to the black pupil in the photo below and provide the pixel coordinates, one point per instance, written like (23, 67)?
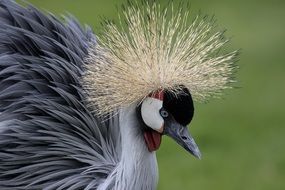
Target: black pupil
(164, 113)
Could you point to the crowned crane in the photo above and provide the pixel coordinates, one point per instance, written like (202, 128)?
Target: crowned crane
(82, 112)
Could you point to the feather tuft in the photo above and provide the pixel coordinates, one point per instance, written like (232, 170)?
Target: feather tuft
(153, 48)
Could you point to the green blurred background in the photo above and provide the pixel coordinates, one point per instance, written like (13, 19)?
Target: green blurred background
(242, 137)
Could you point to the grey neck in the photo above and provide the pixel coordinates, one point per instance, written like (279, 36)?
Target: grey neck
(137, 169)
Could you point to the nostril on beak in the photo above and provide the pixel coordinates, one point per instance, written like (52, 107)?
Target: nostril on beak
(184, 137)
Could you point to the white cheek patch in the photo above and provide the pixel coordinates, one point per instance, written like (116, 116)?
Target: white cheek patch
(150, 113)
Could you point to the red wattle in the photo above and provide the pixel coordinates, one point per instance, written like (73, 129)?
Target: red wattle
(152, 139)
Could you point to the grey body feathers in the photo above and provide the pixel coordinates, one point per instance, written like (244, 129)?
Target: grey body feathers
(49, 138)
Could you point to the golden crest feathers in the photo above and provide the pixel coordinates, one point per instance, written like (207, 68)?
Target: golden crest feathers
(154, 48)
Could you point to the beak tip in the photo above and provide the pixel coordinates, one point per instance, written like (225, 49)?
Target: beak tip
(197, 154)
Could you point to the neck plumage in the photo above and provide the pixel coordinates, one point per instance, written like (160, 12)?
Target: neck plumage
(137, 168)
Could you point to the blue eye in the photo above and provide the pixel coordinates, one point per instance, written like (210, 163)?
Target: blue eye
(164, 113)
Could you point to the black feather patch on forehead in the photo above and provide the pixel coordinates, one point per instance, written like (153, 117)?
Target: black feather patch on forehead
(180, 105)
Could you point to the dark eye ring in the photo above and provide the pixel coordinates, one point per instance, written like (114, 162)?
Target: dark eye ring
(163, 113)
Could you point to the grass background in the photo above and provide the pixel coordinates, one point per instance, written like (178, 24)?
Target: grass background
(242, 137)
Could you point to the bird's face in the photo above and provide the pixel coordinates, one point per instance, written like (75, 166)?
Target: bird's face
(165, 113)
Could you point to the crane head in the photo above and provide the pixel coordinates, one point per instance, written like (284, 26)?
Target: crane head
(153, 48)
(166, 113)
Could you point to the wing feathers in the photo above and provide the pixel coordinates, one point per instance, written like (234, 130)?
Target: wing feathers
(48, 137)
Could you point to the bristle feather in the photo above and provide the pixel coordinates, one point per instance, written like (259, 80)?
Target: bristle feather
(156, 49)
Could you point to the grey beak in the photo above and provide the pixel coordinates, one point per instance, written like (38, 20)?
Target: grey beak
(182, 136)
